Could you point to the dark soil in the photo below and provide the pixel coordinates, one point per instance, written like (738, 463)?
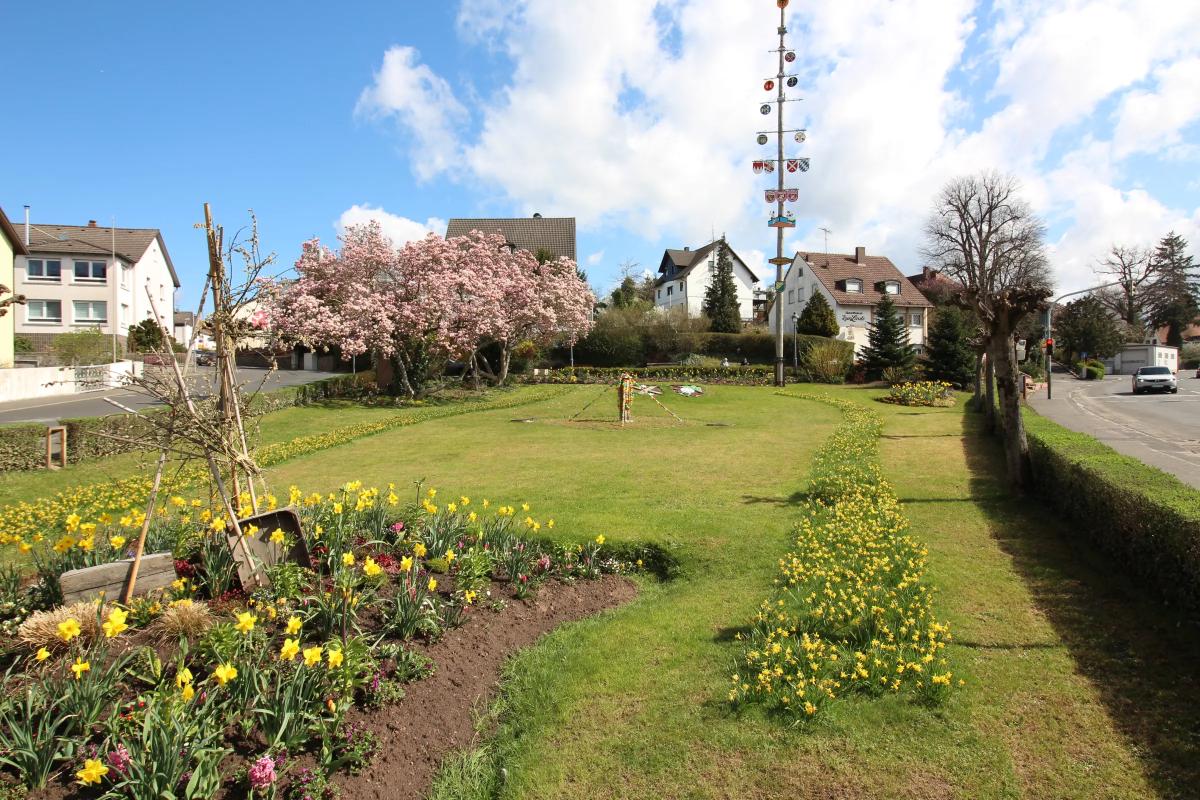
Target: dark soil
(437, 715)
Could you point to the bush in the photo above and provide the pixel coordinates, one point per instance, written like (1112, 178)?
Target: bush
(1090, 370)
(828, 360)
(894, 376)
(1146, 519)
(22, 447)
(1035, 371)
(1189, 356)
(22, 344)
(741, 376)
(921, 393)
(83, 347)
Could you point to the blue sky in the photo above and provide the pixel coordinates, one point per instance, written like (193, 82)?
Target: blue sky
(636, 117)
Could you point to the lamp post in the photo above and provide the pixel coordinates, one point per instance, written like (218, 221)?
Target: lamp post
(1050, 321)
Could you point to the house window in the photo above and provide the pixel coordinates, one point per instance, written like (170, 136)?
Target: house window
(669, 290)
(914, 320)
(853, 285)
(791, 296)
(43, 310)
(891, 287)
(40, 269)
(659, 295)
(91, 271)
(90, 311)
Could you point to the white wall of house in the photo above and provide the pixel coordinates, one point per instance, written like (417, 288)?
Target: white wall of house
(855, 320)
(111, 304)
(37, 382)
(182, 333)
(689, 292)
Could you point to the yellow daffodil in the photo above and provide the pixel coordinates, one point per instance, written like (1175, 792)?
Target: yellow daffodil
(277, 536)
(406, 563)
(432, 584)
(469, 596)
(312, 656)
(549, 523)
(451, 507)
(115, 624)
(370, 568)
(472, 517)
(117, 542)
(335, 658)
(431, 492)
(188, 692)
(348, 559)
(337, 508)
(293, 626)
(449, 556)
(600, 539)
(42, 654)
(419, 550)
(245, 622)
(183, 677)
(68, 629)
(225, 673)
(289, 649)
(92, 773)
(486, 502)
(79, 667)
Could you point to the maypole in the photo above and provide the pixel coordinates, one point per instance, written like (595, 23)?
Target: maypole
(780, 194)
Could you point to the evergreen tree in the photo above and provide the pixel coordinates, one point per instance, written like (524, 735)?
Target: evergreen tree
(1176, 292)
(818, 318)
(887, 341)
(625, 295)
(147, 335)
(951, 356)
(1086, 326)
(720, 298)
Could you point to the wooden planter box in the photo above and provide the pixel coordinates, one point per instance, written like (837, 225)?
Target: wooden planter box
(108, 580)
(263, 550)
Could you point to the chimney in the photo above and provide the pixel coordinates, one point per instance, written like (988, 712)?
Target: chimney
(91, 223)
(27, 225)
(536, 215)
(860, 255)
(686, 248)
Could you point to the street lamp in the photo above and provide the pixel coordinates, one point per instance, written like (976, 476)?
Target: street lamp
(1049, 322)
(795, 342)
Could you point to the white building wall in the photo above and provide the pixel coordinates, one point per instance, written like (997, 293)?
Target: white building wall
(152, 271)
(689, 292)
(67, 289)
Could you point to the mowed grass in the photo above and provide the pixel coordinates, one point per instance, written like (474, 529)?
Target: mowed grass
(630, 703)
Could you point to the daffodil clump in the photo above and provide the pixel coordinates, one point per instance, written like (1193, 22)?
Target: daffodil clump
(851, 612)
(921, 393)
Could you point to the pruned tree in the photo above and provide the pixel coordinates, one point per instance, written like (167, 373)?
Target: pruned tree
(983, 235)
(720, 298)
(818, 318)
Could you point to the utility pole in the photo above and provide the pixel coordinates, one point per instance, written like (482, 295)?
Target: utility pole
(780, 195)
(1050, 336)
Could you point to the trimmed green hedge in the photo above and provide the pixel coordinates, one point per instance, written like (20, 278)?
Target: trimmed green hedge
(22, 447)
(742, 376)
(634, 347)
(1146, 519)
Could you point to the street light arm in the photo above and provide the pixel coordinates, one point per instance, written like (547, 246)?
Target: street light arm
(1085, 291)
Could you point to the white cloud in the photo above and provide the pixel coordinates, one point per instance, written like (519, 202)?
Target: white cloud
(647, 124)
(422, 103)
(595, 258)
(399, 229)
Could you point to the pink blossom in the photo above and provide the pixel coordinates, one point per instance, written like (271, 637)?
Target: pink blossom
(119, 759)
(262, 773)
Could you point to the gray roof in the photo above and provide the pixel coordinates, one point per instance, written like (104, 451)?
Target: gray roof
(185, 317)
(553, 234)
(16, 240)
(684, 260)
(92, 240)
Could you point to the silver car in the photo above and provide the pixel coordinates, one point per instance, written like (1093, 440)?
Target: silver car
(1155, 379)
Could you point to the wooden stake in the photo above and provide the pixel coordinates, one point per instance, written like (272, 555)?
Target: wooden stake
(141, 542)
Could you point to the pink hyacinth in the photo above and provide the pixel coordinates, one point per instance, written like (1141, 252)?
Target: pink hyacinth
(398, 527)
(119, 759)
(262, 773)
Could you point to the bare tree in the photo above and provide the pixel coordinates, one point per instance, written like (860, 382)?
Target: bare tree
(982, 234)
(1136, 271)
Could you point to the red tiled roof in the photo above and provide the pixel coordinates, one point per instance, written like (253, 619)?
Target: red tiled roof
(835, 268)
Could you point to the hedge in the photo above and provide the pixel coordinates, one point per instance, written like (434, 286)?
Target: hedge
(633, 347)
(736, 375)
(1146, 519)
(22, 447)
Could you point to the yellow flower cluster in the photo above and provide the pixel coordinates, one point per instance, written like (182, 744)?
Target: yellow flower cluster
(851, 612)
(921, 393)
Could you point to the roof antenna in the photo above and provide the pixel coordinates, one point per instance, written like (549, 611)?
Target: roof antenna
(826, 231)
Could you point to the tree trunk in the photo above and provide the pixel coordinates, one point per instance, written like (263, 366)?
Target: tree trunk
(505, 357)
(980, 376)
(402, 373)
(475, 369)
(989, 380)
(1016, 447)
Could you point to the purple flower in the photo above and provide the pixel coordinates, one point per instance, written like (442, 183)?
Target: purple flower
(544, 563)
(398, 527)
(262, 773)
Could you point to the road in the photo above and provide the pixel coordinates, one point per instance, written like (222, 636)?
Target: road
(92, 404)
(1162, 430)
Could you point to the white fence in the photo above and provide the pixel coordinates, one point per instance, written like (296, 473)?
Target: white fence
(36, 382)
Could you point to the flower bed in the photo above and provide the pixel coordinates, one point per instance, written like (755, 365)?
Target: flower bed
(204, 690)
(736, 375)
(921, 393)
(852, 613)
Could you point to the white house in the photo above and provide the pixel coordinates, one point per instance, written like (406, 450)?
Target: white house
(853, 285)
(78, 277)
(684, 275)
(185, 322)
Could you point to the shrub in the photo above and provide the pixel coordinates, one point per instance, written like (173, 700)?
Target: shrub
(828, 360)
(1146, 519)
(22, 344)
(921, 393)
(1033, 370)
(1090, 370)
(1189, 356)
(83, 347)
(893, 376)
(23, 447)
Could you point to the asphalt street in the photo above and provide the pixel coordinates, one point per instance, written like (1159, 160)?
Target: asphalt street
(1162, 430)
(96, 404)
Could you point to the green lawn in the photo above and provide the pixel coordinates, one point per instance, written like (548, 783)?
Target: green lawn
(629, 704)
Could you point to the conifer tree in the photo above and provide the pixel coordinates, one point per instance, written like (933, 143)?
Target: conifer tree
(818, 318)
(887, 341)
(951, 356)
(1177, 289)
(720, 298)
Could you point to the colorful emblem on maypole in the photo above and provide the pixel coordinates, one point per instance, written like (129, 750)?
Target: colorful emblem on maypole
(787, 220)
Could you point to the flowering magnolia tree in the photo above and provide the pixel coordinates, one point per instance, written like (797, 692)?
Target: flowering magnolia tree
(432, 297)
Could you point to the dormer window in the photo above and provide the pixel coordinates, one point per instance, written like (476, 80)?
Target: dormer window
(853, 285)
(891, 287)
